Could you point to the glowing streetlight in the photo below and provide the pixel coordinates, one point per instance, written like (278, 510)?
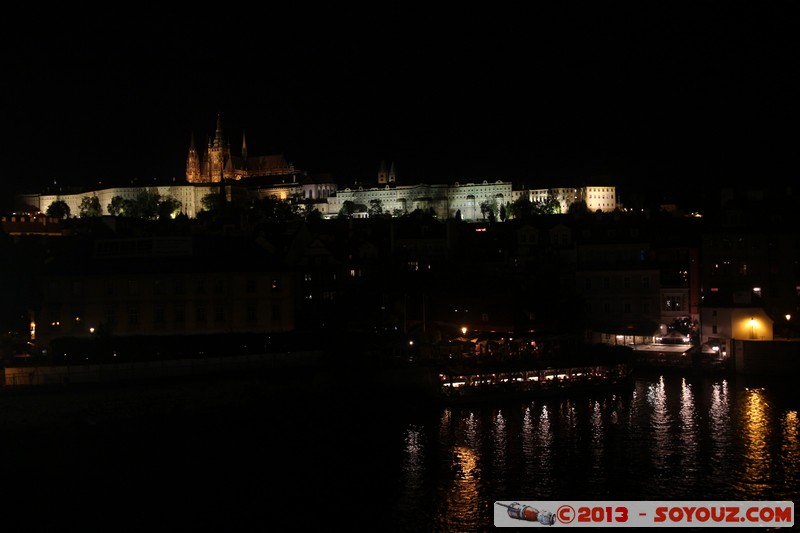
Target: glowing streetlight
(464, 330)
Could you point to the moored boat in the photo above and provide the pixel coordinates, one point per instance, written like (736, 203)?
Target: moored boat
(463, 384)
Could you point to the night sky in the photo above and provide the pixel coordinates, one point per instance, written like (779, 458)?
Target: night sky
(661, 97)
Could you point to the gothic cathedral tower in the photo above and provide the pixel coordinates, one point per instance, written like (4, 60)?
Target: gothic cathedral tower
(216, 164)
(385, 177)
(219, 164)
(193, 165)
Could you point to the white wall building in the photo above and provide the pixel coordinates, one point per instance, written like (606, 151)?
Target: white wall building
(469, 199)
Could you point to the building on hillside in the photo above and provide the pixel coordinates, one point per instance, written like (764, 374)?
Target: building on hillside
(386, 176)
(566, 196)
(469, 201)
(601, 198)
(189, 196)
(247, 178)
(217, 163)
(25, 224)
(598, 198)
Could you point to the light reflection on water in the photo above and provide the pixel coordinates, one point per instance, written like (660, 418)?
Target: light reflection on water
(499, 456)
(790, 451)
(413, 469)
(670, 438)
(690, 438)
(385, 465)
(459, 499)
(719, 419)
(662, 430)
(756, 468)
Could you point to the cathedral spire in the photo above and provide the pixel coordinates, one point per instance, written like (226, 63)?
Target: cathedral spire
(382, 177)
(193, 163)
(244, 146)
(218, 135)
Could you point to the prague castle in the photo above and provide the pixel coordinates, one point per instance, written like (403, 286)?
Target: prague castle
(245, 178)
(218, 164)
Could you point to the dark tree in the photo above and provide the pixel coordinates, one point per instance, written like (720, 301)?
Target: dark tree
(58, 209)
(117, 206)
(90, 206)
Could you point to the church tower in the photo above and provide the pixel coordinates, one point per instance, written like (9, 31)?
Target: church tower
(220, 165)
(385, 177)
(193, 164)
(214, 162)
(243, 168)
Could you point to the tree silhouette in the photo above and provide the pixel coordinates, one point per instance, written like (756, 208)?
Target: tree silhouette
(145, 205)
(168, 208)
(521, 208)
(117, 206)
(213, 201)
(578, 208)
(375, 207)
(90, 207)
(347, 210)
(58, 209)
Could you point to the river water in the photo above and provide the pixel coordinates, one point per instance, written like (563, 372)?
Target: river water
(239, 456)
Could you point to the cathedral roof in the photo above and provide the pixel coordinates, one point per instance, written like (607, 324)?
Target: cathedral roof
(264, 162)
(317, 178)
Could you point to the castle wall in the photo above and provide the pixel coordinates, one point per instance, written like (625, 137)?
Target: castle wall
(444, 200)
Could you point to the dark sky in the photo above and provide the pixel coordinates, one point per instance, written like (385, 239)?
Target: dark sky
(654, 97)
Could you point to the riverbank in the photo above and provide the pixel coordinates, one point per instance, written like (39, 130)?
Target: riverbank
(52, 397)
(169, 390)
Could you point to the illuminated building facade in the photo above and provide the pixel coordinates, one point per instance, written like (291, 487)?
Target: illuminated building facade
(248, 178)
(217, 163)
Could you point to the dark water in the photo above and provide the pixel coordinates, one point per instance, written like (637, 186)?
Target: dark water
(237, 457)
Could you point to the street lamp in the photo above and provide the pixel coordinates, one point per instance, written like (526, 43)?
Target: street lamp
(464, 330)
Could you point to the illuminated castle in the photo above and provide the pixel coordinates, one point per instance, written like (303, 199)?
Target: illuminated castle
(217, 163)
(271, 176)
